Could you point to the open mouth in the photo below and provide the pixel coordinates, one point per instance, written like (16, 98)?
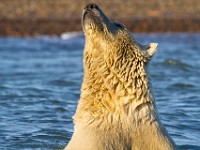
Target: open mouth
(91, 19)
(87, 12)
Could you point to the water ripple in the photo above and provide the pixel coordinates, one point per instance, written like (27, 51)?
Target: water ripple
(177, 63)
(41, 79)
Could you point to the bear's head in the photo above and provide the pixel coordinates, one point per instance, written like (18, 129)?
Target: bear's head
(111, 53)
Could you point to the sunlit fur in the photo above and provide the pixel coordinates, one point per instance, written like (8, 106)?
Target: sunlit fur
(116, 110)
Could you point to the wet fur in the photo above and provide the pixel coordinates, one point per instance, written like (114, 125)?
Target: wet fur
(116, 110)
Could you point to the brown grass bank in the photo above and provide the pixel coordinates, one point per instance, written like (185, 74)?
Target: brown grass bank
(53, 17)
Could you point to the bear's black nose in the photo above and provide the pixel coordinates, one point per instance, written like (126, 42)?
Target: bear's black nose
(91, 6)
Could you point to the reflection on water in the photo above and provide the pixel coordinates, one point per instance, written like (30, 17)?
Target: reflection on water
(40, 80)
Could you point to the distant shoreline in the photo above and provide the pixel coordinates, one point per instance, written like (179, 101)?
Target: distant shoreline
(33, 27)
(53, 17)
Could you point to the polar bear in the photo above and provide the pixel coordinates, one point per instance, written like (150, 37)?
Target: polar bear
(116, 110)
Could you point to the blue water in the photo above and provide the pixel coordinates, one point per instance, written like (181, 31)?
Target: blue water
(40, 80)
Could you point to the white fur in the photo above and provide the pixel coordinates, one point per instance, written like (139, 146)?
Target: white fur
(116, 110)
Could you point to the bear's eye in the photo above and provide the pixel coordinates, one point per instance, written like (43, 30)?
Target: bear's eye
(119, 25)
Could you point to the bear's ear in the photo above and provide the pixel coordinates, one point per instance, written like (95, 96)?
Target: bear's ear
(150, 49)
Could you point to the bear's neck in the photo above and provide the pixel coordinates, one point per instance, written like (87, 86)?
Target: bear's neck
(115, 87)
(105, 85)
(112, 96)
